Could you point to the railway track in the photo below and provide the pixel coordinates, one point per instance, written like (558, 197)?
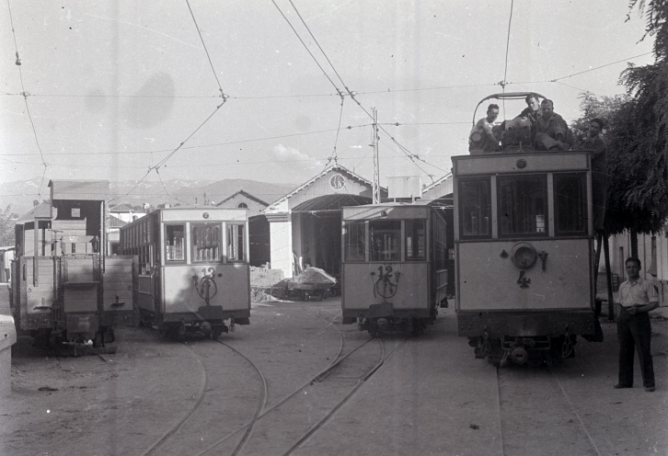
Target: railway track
(524, 425)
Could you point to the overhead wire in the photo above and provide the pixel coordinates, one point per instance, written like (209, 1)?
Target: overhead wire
(505, 70)
(199, 32)
(410, 155)
(25, 95)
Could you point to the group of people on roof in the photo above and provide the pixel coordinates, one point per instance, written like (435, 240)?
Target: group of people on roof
(537, 127)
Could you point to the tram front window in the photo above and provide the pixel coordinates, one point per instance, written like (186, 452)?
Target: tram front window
(355, 241)
(235, 242)
(206, 242)
(476, 209)
(416, 240)
(385, 240)
(175, 243)
(522, 205)
(570, 204)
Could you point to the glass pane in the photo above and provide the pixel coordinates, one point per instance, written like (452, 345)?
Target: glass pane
(475, 207)
(175, 243)
(570, 202)
(385, 240)
(206, 242)
(522, 205)
(235, 242)
(355, 241)
(416, 240)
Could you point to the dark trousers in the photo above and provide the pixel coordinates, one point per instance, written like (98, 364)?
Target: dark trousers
(634, 333)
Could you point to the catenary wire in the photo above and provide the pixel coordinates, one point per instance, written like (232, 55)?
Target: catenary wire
(215, 75)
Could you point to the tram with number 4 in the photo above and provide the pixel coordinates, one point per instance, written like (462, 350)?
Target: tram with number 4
(394, 268)
(193, 270)
(524, 243)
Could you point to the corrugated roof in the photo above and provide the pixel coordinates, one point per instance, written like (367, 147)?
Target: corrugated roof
(89, 190)
(331, 203)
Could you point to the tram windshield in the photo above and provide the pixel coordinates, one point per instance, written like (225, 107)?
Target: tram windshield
(476, 208)
(522, 205)
(206, 241)
(355, 241)
(570, 201)
(235, 242)
(385, 240)
(175, 243)
(416, 240)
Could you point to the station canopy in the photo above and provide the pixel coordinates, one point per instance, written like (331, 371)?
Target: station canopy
(331, 203)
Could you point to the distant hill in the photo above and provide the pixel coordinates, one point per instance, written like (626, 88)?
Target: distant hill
(21, 194)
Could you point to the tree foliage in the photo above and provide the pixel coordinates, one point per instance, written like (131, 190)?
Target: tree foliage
(637, 133)
(7, 226)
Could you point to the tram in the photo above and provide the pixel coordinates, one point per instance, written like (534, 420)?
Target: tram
(63, 287)
(524, 253)
(394, 268)
(193, 270)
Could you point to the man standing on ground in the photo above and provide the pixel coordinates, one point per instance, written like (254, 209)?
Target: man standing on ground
(637, 297)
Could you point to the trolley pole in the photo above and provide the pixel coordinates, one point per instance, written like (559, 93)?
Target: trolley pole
(376, 162)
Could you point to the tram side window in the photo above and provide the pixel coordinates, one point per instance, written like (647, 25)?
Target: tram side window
(175, 243)
(522, 208)
(416, 240)
(355, 241)
(475, 211)
(235, 242)
(206, 242)
(570, 204)
(385, 238)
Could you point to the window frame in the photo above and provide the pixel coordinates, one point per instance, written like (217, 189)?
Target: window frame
(365, 239)
(489, 211)
(193, 248)
(499, 220)
(582, 176)
(166, 226)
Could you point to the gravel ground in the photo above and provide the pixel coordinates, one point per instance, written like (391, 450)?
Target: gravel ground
(431, 397)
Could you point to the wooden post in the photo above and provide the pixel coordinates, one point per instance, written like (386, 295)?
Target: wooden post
(608, 276)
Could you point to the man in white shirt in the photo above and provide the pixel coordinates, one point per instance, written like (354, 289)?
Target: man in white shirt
(636, 298)
(482, 138)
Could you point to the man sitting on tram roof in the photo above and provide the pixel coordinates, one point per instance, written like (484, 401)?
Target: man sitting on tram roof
(482, 138)
(552, 131)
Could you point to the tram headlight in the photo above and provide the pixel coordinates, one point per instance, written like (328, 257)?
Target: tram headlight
(523, 255)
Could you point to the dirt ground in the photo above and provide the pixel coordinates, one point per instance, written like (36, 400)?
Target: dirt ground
(431, 398)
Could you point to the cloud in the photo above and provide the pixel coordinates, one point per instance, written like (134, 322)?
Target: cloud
(288, 154)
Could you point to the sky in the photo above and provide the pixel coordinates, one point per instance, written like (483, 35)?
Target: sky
(132, 90)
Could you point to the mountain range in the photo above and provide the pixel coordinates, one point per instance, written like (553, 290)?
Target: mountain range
(22, 194)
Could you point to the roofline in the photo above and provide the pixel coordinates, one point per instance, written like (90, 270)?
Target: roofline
(245, 193)
(437, 182)
(334, 167)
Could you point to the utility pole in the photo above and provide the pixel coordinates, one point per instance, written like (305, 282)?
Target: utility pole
(376, 162)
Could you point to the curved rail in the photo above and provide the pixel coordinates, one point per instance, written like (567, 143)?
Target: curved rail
(177, 426)
(261, 405)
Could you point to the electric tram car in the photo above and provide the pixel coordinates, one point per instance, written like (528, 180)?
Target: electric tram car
(63, 288)
(394, 268)
(193, 270)
(523, 250)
